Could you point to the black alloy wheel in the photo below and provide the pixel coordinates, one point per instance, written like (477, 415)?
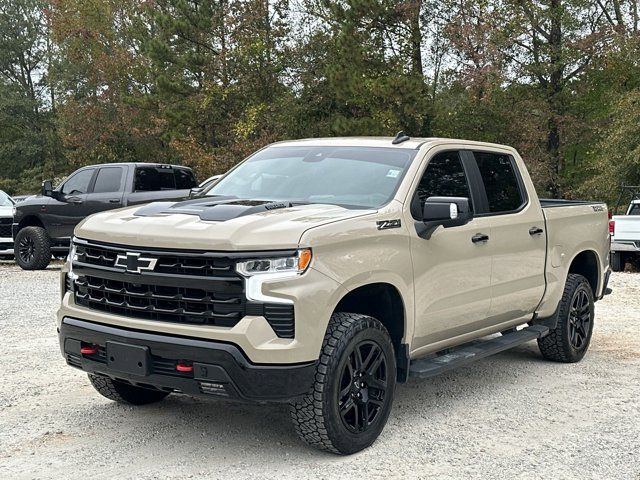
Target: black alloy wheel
(363, 386)
(26, 249)
(580, 315)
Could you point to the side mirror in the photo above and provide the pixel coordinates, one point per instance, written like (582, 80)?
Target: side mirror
(195, 192)
(47, 188)
(445, 211)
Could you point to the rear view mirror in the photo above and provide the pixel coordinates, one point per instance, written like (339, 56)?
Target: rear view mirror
(445, 211)
(47, 188)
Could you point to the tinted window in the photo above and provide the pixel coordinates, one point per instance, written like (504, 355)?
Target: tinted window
(151, 179)
(444, 177)
(500, 181)
(108, 180)
(635, 209)
(184, 179)
(78, 183)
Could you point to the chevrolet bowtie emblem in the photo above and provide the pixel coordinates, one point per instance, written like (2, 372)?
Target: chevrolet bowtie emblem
(134, 263)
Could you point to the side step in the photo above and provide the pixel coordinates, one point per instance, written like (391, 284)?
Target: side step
(464, 355)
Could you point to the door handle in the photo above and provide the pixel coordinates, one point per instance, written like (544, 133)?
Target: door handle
(480, 238)
(114, 200)
(76, 201)
(535, 231)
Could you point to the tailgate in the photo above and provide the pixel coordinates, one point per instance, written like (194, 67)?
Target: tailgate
(627, 227)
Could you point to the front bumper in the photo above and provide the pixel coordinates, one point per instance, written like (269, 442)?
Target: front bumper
(219, 369)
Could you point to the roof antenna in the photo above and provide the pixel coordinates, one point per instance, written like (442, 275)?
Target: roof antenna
(400, 137)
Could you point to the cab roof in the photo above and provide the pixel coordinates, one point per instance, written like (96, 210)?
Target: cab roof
(412, 143)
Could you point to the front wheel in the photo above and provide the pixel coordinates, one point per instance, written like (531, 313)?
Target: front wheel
(351, 398)
(569, 341)
(32, 248)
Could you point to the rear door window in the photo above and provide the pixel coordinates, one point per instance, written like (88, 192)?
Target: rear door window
(78, 183)
(184, 179)
(153, 179)
(500, 181)
(109, 180)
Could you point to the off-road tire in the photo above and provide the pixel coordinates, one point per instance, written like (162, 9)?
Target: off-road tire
(617, 261)
(124, 393)
(41, 255)
(316, 416)
(557, 344)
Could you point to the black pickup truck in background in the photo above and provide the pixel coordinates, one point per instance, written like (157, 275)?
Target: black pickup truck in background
(43, 225)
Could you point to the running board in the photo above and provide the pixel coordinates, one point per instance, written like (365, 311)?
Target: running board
(464, 355)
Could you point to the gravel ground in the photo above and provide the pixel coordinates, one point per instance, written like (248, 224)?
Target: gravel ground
(510, 416)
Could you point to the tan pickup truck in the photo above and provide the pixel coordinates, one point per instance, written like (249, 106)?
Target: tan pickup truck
(322, 272)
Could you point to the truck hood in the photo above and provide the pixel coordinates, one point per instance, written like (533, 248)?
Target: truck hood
(213, 224)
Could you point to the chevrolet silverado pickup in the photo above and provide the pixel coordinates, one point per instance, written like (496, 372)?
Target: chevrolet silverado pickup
(322, 272)
(43, 224)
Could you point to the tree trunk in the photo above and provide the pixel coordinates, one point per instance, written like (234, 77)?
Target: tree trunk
(554, 96)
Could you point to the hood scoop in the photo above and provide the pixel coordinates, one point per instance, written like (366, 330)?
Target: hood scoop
(219, 210)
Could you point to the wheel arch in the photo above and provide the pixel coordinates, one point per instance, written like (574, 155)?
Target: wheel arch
(383, 301)
(587, 263)
(30, 221)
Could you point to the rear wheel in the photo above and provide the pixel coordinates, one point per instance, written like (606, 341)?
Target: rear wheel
(617, 261)
(32, 248)
(352, 395)
(125, 393)
(569, 341)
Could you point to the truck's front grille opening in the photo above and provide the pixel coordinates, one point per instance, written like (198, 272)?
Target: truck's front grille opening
(164, 303)
(182, 287)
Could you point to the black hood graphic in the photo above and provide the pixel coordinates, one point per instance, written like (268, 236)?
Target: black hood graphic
(218, 209)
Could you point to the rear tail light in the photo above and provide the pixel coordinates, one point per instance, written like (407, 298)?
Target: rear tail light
(612, 227)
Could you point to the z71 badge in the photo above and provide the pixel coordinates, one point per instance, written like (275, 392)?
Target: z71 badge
(386, 224)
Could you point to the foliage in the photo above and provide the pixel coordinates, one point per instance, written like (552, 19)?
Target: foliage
(206, 82)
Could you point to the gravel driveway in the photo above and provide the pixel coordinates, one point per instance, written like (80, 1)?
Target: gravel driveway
(510, 416)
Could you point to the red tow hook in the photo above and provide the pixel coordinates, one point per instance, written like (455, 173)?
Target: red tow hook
(89, 350)
(184, 367)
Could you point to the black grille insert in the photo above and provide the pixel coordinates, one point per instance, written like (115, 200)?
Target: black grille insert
(206, 305)
(5, 231)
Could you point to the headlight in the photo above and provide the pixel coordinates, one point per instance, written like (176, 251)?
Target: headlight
(70, 277)
(294, 264)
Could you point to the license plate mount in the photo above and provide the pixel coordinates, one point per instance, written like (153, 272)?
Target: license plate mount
(131, 359)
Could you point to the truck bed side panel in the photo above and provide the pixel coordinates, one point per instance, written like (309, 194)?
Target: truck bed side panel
(572, 229)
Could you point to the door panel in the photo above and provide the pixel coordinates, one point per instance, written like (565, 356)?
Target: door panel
(517, 264)
(107, 191)
(69, 207)
(452, 274)
(452, 281)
